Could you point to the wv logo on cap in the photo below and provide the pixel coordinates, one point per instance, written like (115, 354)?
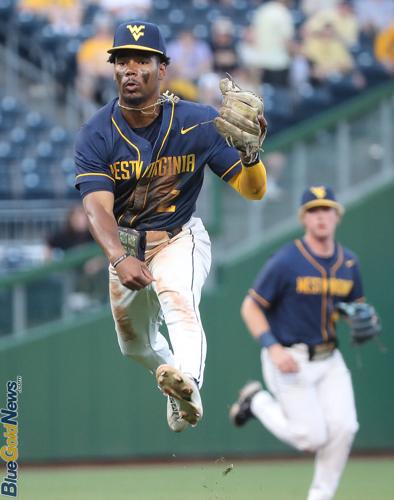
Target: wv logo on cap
(136, 31)
(319, 191)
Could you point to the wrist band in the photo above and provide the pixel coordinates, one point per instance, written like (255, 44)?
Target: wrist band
(266, 339)
(120, 259)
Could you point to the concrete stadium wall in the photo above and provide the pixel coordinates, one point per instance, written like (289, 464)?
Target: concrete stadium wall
(82, 400)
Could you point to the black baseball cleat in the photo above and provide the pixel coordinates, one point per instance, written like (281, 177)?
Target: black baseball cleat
(240, 411)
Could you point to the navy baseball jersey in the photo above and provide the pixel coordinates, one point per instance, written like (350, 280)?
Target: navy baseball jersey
(155, 174)
(298, 290)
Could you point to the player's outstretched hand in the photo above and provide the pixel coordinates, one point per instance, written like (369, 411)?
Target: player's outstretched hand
(282, 359)
(134, 274)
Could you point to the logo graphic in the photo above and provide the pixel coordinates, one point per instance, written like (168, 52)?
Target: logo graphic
(186, 130)
(9, 452)
(136, 31)
(319, 191)
(349, 263)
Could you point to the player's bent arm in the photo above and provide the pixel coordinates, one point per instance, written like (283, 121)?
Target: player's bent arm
(132, 273)
(99, 210)
(254, 318)
(250, 182)
(259, 327)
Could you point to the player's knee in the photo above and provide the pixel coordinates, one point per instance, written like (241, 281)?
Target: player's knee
(346, 430)
(133, 350)
(179, 308)
(311, 439)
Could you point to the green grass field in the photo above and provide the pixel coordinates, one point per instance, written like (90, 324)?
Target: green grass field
(364, 479)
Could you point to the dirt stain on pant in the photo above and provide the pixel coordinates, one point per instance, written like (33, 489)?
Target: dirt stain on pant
(120, 313)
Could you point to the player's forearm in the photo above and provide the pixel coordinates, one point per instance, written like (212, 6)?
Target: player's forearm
(104, 229)
(254, 318)
(251, 182)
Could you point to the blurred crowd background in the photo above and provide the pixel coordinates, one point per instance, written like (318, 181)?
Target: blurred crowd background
(302, 56)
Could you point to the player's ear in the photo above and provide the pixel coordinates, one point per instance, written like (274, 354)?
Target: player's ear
(301, 215)
(162, 70)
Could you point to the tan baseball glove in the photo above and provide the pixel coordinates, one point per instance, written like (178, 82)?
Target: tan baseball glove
(241, 121)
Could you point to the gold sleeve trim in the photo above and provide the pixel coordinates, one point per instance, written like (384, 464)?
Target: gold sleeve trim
(258, 298)
(230, 168)
(102, 175)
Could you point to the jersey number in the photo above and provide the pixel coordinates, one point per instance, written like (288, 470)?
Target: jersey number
(165, 207)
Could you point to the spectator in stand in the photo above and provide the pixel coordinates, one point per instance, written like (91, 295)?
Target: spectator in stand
(75, 232)
(244, 77)
(226, 4)
(300, 73)
(209, 91)
(329, 58)
(384, 48)
(223, 46)
(274, 32)
(64, 15)
(248, 53)
(88, 285)
(123, 10)
(341, 17)
(95, 75)
(189, 56)
(374, 15)
(311, 7)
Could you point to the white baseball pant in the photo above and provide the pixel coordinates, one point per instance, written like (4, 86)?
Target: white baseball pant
(180, 269)
(312, 410)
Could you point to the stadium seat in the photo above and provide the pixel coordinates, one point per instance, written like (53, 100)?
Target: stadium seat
(36, 124)
(67, 165)
(10, 110)
(313, 100)
(28, 165)
(7, 11)
(161, 4)
(6, 182)
(71, 191)
(6, 152)
(29, 26)
(176, 16)
(50, 43)
(59, 137)
(46, 152)
(372, 70)
(342, 88)
(38, 185)
(4, 127)
(19, 141)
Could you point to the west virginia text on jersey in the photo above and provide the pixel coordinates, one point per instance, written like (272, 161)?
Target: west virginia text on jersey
(314, 285)
(167, 165)
(155, 187)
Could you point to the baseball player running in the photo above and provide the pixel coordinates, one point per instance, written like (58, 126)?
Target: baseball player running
(291, 312)
(140, 166)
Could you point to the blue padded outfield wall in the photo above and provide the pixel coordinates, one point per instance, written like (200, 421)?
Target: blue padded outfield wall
(82, 400)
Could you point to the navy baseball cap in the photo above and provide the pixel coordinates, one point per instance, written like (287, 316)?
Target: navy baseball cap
(138, 35)
(319, 196)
